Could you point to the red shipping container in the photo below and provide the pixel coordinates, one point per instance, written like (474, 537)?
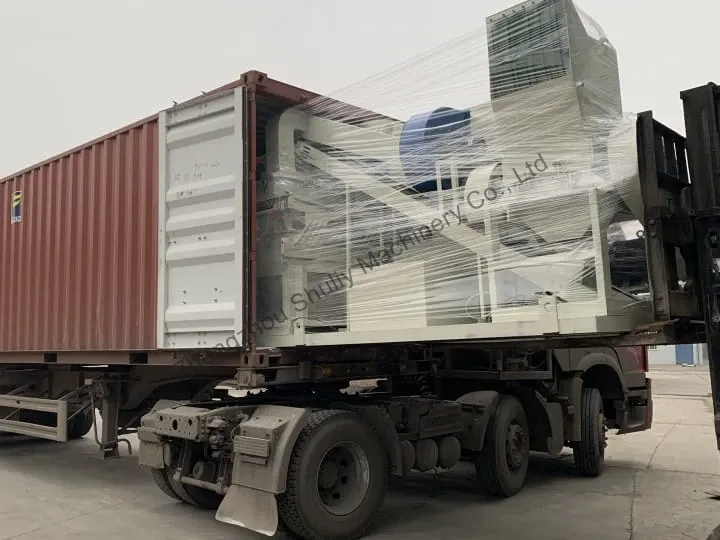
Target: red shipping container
(79, 258)
(79, 232)
(79, 244)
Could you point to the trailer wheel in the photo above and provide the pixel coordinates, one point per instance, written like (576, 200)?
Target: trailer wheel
(80, 425)
(501, 466)
(337, 478)
(589, 453)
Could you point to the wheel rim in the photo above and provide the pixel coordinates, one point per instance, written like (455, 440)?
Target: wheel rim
(343, 478)
(515, 447)
(602, 435)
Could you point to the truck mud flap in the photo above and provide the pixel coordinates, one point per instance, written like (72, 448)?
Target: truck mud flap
(638, 417)
(262, 453)
(249, 508)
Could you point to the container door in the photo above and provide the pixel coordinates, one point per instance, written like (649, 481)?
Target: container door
(200, 216)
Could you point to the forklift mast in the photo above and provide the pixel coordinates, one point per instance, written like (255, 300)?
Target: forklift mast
(680, 185)
(703, 151)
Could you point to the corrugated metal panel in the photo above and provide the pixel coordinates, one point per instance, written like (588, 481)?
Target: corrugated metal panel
(78, 271)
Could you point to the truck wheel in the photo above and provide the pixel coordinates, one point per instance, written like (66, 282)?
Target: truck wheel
(161, 479)
(196, 496)
(501, 466)
(337, 478)
(202, 498)
(81, 424)
(715, 534)
(589, 453)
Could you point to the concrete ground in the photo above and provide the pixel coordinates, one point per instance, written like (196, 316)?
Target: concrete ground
(654, 489)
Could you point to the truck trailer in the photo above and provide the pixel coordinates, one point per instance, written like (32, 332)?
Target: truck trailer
(496, 269)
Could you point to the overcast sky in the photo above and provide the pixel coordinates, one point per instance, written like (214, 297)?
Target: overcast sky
(75, 69)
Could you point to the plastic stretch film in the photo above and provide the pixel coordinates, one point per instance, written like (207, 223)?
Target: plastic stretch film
(492, 193)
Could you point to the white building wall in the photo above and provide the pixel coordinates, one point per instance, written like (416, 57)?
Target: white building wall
(661, 355)
(701, 354)
(664, 355)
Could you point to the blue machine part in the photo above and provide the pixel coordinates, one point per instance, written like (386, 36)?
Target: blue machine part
(684, 354)
(427, 137)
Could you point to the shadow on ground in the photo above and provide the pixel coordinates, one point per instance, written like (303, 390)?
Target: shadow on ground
(431, 496)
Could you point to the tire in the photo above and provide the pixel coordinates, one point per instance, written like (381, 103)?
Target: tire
(81, 424)
(589, 453)
(161, 479)
(193, 495)
(202, 498)
(715, 534)
(337, 449)
(500, 470)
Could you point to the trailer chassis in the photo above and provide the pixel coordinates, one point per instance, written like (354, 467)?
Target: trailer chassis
(249, 457)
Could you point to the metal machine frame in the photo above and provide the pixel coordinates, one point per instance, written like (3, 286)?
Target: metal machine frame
(610, 312)
(607, 314)
(569, 89)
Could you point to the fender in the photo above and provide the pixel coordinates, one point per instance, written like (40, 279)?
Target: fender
(538, 410)
(603, 359)
(571, 385)
(481, 404)
(261, 457)
(545, 419)
(567, 359)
